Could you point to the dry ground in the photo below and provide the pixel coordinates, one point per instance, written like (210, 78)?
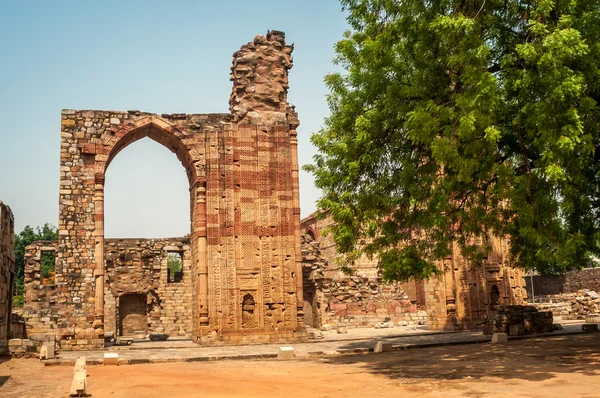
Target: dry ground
(566, 366)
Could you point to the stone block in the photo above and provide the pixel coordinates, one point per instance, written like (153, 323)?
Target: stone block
(79, 364)
(341, 330)
(383, 346)
(326, 328)
(123, 340)
(589, 327)
(158, 336)
(47, 351)
(499, 338)
(15, 342)
(139, 335)
(111, 358)
(79, 384)
(285, 353)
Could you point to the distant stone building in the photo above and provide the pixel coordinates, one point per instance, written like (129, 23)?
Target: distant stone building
(240, 279)
(463, 297)
(7, 273)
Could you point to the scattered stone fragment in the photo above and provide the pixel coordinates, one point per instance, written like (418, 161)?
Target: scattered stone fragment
(341, 330)
(589, 327)
(158, 336)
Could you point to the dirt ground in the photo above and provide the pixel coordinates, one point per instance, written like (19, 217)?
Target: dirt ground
(566, 366)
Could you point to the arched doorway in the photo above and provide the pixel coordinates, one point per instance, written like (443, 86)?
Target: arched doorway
(168, 135)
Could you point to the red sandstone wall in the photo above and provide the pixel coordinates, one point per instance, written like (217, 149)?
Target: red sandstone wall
(7, 272)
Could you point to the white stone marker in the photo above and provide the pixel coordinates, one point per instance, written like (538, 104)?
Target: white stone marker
(382, 346)
(499, 338)
(286, 353)
(47, 351)
(111, 358)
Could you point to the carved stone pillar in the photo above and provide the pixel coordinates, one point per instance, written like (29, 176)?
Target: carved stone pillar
(202, 253)
(99, 254)
(296, 215)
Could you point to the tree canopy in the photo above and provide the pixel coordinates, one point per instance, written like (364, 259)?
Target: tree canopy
(455, 120)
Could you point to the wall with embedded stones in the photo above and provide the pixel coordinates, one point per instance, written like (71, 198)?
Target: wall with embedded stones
(571, 282)
(358, 300)
(242, 169)
(462, 297)
(139, 267)
(7, 273)
(465, 295)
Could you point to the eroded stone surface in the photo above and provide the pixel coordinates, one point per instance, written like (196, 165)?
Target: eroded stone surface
(242, 263)
(464, 297)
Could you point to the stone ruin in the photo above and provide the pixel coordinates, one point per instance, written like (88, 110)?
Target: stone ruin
(464, 296)
(241, 276)
(7, 273)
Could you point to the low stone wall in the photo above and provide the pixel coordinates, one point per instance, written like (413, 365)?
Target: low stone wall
(139, 267)
(571, 282)
(570, 306)
(358, 300)
(135, 267)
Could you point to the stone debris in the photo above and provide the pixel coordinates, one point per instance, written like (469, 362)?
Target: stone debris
(341, 330)
(589, 327)
(315, 334)
(571, 306)
(158, 337)
(124, 341)
(517, 320)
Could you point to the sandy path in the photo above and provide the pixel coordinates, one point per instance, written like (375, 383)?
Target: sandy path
(567, 366)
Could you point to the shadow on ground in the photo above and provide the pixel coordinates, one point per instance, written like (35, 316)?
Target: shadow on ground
(533, 359)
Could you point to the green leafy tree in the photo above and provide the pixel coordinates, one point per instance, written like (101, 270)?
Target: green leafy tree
(24, 239)
(457, 120)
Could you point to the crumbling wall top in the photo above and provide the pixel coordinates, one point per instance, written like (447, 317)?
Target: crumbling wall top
(260, 80)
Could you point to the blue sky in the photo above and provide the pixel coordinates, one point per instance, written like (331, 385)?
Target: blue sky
(154, 56)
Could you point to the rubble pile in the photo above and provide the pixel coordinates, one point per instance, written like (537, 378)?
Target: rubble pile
(518, 320)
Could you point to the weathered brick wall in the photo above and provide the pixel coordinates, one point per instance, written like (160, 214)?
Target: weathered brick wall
(571, 282)
(7, 272)
(139, 266)
(243, 174)
(460, 298)
(360, 299)
(465, 295)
